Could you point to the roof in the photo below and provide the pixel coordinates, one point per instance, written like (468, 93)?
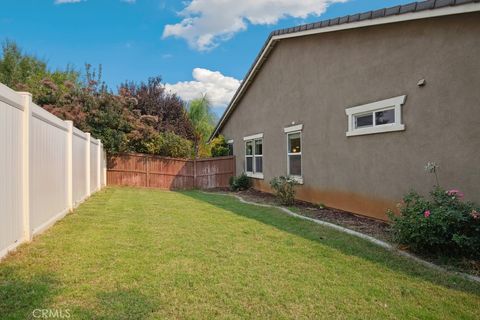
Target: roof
(406, 12)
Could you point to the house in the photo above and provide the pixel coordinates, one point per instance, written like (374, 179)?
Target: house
(355, 107)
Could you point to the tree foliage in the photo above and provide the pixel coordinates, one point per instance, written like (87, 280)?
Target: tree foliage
(139, 118)
(219, 146)
(163, 111)
(25, 72)
(203, 122)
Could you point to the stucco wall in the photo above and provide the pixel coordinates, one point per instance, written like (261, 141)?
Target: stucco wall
(311, 80)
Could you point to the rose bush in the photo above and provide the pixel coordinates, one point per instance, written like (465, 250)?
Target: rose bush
(442, 225)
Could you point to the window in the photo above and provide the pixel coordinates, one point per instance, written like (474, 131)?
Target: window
(258, 155)
(230, 147)
(376, 117)
(254, 156)
(363, 121)
(294, 152)
(249, 156)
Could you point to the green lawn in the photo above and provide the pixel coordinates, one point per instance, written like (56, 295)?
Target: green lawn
(149, 254)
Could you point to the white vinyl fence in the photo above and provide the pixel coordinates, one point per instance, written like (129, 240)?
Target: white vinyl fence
(47, 167)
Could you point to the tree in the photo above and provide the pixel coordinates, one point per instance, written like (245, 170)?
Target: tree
(18, 69)
(139, 118)
(172, 145)
(166, 111)
(95, 109)
(219, 146)
(203, 122)
(24, 72)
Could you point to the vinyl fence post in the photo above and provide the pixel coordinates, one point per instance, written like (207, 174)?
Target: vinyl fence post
(27, 115)
(87, 164)
(99, 165)
(69, 166)
(104, 163)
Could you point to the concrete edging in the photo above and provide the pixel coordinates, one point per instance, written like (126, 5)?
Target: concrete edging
(371, 239)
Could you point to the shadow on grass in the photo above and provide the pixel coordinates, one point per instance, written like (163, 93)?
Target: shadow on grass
(347, 244)
(117, 304)
(26, 296)
(20, 295)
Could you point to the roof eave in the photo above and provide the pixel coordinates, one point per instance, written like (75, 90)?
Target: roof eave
(277, 36)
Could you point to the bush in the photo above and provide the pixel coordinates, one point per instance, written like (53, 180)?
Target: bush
(175, 146)
(444, 224)
(242, 182)
(166, 144)
(219, 147)
(284, 188)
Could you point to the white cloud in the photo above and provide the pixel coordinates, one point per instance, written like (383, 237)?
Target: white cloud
(218, 88)
(67, 1)
(207, 22)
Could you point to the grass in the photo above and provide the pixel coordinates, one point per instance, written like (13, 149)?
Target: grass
(148, 254)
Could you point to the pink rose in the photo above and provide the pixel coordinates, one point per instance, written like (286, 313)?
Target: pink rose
(455, 193)
(426, 214)
(475, 215)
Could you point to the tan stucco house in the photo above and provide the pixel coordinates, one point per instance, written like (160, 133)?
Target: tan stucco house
(354, 107)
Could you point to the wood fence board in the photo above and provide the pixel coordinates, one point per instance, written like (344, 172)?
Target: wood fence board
(143, 170)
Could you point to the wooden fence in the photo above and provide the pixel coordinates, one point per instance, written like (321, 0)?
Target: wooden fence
(143, 170)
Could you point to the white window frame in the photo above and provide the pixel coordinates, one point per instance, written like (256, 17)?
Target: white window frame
(370, 108)
(290, 131)
(230, 142)
(253, 138)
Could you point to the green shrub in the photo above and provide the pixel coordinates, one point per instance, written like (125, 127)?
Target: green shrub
(172, 145)
(284, 188)
(242, 182)
(232, 182)
(444, 224)
(219, 147)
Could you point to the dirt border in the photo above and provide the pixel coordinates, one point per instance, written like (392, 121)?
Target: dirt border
(372, 227)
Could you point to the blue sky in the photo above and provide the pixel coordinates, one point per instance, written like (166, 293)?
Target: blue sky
(200, 46)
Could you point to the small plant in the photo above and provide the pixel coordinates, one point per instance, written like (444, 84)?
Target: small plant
(231, 182)
(432, 167)
(321, 206)
(242, 182)
(443, 225)
(284, 188)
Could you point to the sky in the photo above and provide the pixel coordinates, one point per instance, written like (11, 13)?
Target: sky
(197, 47)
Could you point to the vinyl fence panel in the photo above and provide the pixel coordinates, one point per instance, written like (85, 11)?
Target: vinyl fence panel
(48, 179)
(45, 168)
(94, 174)
(103, 167)
(79, 166)
(11, 119)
